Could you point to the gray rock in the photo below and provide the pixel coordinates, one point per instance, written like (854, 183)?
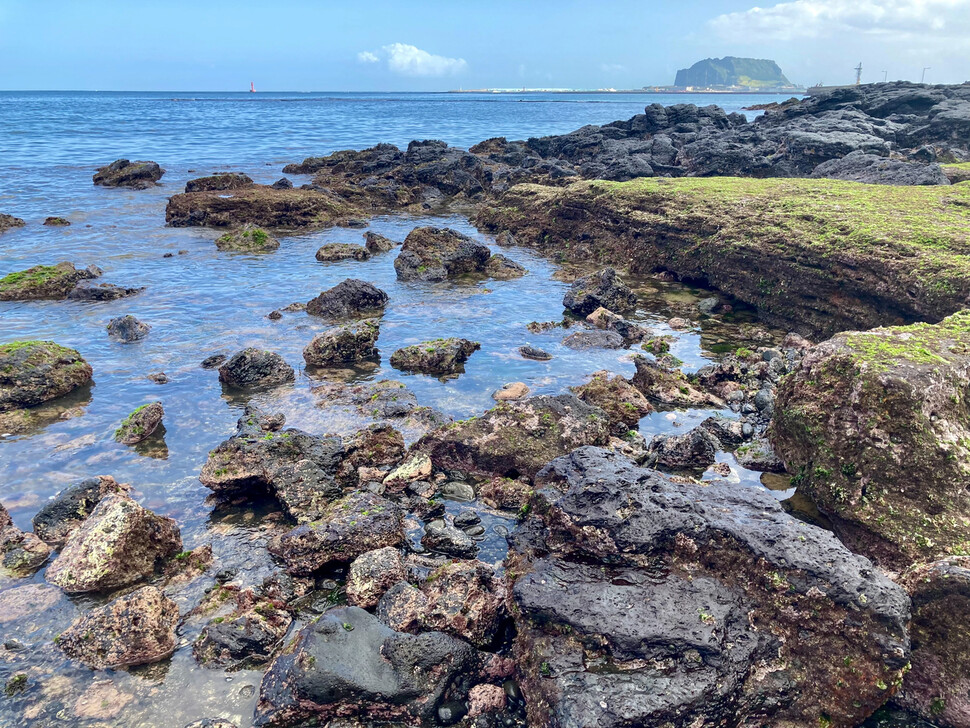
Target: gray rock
(253, 367)
(602, 288)
(448, 540)
(435, 254)
(350, 298)
(127, 329)
(872, 169)
(583, 340)
(122, 173)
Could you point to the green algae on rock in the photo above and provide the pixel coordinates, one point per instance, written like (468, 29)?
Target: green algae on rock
(248, 239)
(9, 221)
(819, 255)
(441, 356)
(34, 372)
(874, 425)
(44, 282)
(140, 424)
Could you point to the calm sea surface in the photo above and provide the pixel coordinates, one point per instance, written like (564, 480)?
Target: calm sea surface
(205, 302)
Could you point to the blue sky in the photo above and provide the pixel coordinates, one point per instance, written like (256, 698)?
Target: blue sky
(398, 46)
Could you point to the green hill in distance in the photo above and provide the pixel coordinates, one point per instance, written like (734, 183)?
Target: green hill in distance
(754, 73)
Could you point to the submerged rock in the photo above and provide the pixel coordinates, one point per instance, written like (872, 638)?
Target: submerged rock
(510, 392)
(135, 629)
(332, 252)
(376, 243)
(60, 517)
(261, 205)
(503, 268)
(873, 427)
(444, 538)
(248, 239)
(532, 352)
(297, 468)
(435, 254)
(669, 386)
(140, 424)
(101, 292)
(584, 340)
(219, 181)
(256, 368)
(9, 221)
(441, 356)
(20, 552)
(517, 438)
(56, 222)
(348, 664)
(351, 526)
(34, 372)
(643, 601)
(350, 298)
(600, 289)
(127, 329)
(344, 344)
(119, 544)
(44, 282)
(246, 638)
(122, 173)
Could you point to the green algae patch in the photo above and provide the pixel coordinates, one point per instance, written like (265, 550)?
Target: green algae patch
(34, 372)
(818, 255)
(41, 282)
(249, 239)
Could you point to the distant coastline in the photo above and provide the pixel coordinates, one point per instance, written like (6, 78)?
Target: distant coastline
(653, 90)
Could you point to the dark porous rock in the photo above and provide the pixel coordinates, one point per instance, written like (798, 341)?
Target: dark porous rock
(694, 450)
(60, 517)
(376, 243)
(297, 468)
(246, 638)
(56, 222)
(262, 205)
(373, 573)
(596, 339)
(517, 438)
(282, 184)
(119, 544)
(214, 362)
(669, 386)
(937, 686)
(728, 433)
(402, 607)
(873, 427)
(465, 599)
(532, 352)
(127, 328)
(140, 424)
(503, 268)
(332, 252)
(122, 173)
(9, 221)
(344, 344)
(256, 368)
(603, 318)
(444, 538)
(702, 606)
(220, 181)
(136, 629)
(34, 372)
(20, 552)
(505, 494)
(600, 289)
(212, 723)
(351, 298)
(860, 166)
(374, 446)
(759, 455)
(101, 292)
(44, 282)
(355, 524)
(435, 254)
(623, 403)
(441, 356)
(347, 664)
(247, 239)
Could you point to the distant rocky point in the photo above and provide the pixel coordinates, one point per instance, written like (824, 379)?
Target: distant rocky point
(756, 74)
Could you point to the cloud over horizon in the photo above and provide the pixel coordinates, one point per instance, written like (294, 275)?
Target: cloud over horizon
(408, 60)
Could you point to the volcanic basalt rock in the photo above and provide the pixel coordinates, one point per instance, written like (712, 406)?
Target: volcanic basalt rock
(44, 282)
(246, 638)
(441, 356)
(344, 344)
(599, 290)
(122, 173)
(373, 573)
(623, 403)
(253, 367)
(140, 424)
(135, 629)
(332, 252)
(20, 552)
(435, 254)
(60, 517)
(351, 298)
(86, 291)
(643, 601)
(247, 239)
(376, 243)
(219, 181)
(34, 372)
(260, 205)
(8, 222)
(127, 329)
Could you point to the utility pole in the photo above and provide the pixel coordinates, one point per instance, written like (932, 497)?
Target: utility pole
(923, 76)
(885, 76)
(858, 74)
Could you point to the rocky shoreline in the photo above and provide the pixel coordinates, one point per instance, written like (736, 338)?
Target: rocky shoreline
(642, 583)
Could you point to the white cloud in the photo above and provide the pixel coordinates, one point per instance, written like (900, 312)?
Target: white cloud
(409, 60)
(933, 20)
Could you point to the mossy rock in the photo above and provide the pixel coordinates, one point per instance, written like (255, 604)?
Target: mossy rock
(140, 424)
(51, 282)
(34, 372)
(249, 239)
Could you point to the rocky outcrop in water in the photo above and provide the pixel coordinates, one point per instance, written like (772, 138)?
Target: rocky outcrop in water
(334, 252)
(56, 222)
(8, 222)
(34, 372)
(119, 544)
(599, 290)
(135, 629)
(371, 574)
(623, 403)
(253, 367)
(344, 344)
(220, 181)
(376, 243)
(351, 298)
(122, 173)
(127, 329)
(517, 438)
(50, 282)
(440, 357)
(246, 638)
(20, 552)
(259, 205)
(639, 600)
(61, 516)
(86, 291)
(140, 424)
(248, 239)
(873, 427)
(435, 254)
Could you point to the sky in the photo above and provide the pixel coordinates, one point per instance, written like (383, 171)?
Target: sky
(432, 45)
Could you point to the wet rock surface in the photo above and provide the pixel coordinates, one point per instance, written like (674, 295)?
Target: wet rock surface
(376, 243)
(21, 553)
(860, 166)
(344, 344)
(123, 173)
(435, 254)
(141, 424)
(247, 239)
(34, 372)
(371, 574)
(441, 356)
(332, 252)
(872, 426)
(351, 298)
(8, 222)
(119, 544)
(50, 282)
(220, 181)
(59, 518)
(640, 599)
(135, 629)
(101, 292)
(127, 329)
(246, 638)
(253, 367)
(599, 290)
(623, 403)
